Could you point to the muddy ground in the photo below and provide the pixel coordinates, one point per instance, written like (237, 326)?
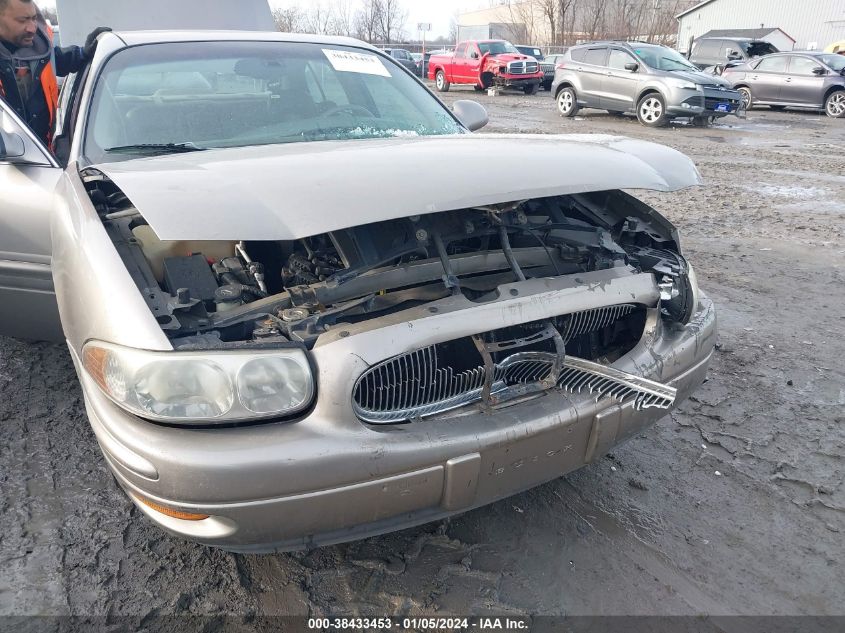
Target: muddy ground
(734, 504)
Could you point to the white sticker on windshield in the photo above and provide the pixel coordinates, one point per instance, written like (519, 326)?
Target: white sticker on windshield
(349, 62)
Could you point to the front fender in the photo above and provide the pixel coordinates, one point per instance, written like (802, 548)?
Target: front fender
(96, 296)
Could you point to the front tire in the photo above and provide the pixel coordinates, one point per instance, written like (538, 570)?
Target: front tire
(440, 82)
(745, 96)
(651, 110)
(531, 89)
(567, 102)
(834, 105)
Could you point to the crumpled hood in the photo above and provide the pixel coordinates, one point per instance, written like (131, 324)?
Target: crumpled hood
(291, 191)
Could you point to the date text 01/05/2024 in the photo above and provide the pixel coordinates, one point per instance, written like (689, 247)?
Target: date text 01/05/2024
(418, 623)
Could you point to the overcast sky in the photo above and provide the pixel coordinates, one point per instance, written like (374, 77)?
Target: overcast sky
(438, 12)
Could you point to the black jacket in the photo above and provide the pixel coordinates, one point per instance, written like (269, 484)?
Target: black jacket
(33, 108)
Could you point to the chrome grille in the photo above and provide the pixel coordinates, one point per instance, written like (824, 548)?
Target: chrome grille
(524, 67)
(418, 383)
(579, 374)
(592, 320)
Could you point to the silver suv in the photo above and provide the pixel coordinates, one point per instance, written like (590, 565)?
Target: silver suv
(655, 82)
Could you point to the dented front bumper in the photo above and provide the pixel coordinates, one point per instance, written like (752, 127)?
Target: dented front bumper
(330, 477)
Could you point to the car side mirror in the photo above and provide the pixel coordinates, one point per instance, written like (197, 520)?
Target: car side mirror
(471, 113)
(818, 70)
(12, 145)
(733, 55)
(632, 66)
(474, 54)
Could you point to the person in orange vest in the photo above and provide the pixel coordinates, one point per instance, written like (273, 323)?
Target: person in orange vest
(29, 64)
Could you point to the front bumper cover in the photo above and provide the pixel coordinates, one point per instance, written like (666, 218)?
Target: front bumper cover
(324, 479)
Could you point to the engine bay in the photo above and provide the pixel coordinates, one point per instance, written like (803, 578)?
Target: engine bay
(227, 293)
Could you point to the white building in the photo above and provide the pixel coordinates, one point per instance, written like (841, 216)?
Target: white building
(813, 24)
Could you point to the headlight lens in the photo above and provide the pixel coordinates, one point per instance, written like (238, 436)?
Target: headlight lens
(202, 387)
(273, 384)
(684, 85)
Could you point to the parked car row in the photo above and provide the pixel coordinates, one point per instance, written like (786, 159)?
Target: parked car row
(654, 82)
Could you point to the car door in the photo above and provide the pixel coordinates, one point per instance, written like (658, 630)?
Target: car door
(28, 177)
(620, 84)
(767, 78)
(472, 64)
(592, 72)
(802, 86)
(459, 62)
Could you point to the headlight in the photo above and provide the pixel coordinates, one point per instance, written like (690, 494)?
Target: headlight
(679, 295)
(202, 387)
(682, 84)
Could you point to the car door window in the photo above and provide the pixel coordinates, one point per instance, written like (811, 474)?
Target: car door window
(595, 56)
(802, 66)
(579, 54)
(707, 49)
(618, 59)
(461, 51)
(772, 65)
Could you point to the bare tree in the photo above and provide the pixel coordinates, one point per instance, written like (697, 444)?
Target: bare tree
(594, 18)
(567, 10)
(549, 10)
(523, 14)
(453, 28)
(290, 20)
(367, 20)
(392, 18)
(318, 18)
(343, 19)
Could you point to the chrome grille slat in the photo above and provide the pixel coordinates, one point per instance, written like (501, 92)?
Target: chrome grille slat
(414, 384)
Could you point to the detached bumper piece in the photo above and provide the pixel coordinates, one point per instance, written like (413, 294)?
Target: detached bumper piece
(489, 369)
(603, 381)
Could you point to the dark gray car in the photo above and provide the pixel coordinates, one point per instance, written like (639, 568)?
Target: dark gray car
(800, 79)
(721, 51)
(546, 65)
(403, 57)
(655, 82)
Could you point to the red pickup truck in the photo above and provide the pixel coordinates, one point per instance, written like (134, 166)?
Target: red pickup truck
(485, 64)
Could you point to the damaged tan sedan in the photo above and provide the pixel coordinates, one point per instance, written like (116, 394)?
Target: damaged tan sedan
(307, 305)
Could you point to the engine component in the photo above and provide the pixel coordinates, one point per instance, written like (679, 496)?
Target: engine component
(192, 273)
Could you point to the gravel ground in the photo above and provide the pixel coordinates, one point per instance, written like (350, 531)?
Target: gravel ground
(734, 504)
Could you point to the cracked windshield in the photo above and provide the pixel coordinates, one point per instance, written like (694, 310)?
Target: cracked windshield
(189, 97)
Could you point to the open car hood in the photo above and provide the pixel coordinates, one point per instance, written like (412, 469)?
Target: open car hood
(291, 191)
(79, 17)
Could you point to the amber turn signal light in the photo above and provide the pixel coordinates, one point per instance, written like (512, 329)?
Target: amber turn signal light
(176, 514)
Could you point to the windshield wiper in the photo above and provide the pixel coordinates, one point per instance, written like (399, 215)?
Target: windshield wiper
(168, 148)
